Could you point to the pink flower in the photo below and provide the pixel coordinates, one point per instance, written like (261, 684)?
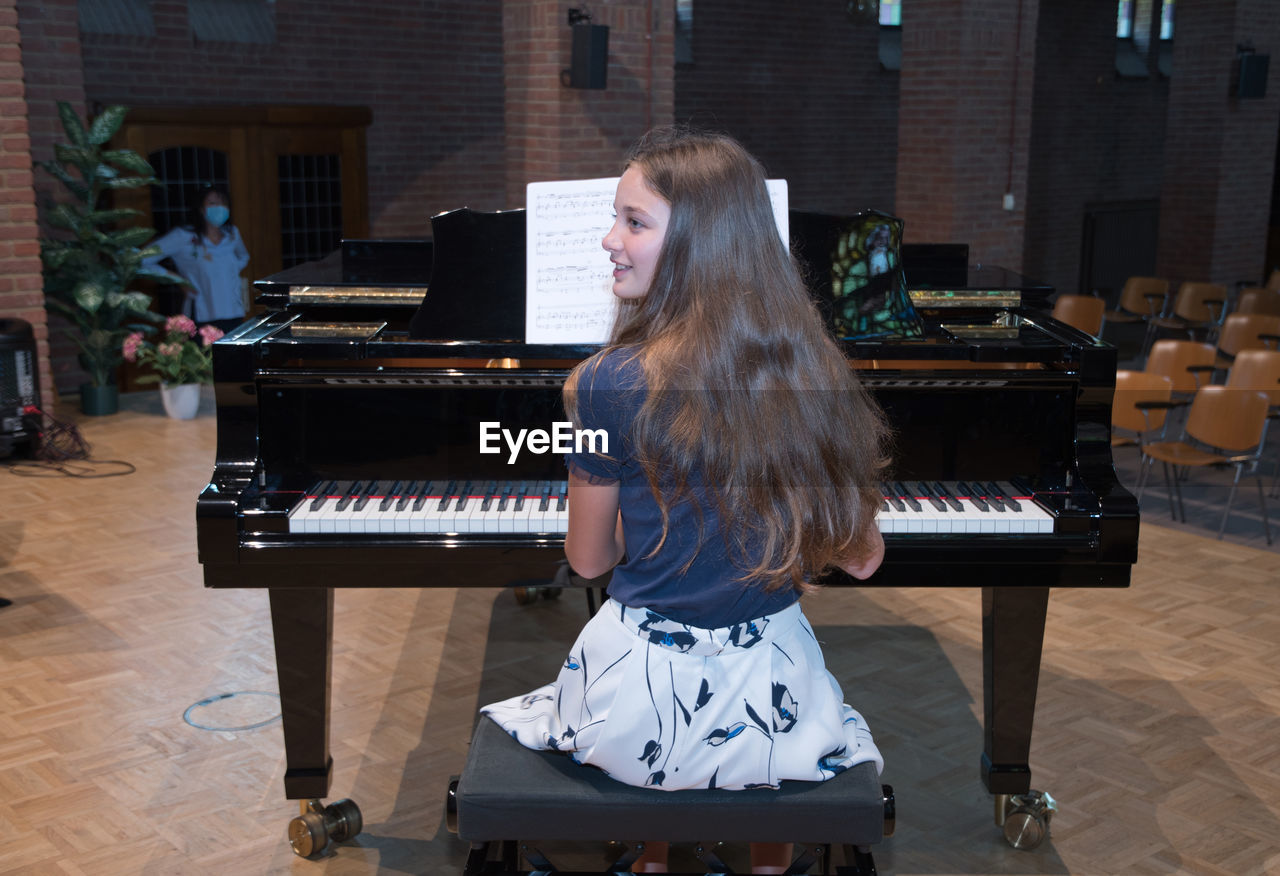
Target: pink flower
(209, 334)
(169, 351)
(131, 346)
(182, 324)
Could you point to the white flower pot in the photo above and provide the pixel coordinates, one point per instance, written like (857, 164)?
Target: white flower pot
(181, 400)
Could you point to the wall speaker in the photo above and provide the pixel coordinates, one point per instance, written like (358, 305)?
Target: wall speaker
(1251, 80)
(590, 64)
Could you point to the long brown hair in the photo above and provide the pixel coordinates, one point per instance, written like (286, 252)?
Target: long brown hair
(748, 395)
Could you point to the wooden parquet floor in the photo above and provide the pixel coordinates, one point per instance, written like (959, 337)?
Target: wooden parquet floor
(1158, 724)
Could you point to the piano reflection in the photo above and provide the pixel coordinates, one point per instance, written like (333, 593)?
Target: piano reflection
(1002, 478)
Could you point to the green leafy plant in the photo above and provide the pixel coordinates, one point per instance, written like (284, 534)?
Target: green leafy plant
(89, 268)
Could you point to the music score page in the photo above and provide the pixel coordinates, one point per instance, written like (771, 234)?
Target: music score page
(569, 286)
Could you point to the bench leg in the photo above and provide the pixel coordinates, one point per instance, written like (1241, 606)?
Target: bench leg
(857, 862)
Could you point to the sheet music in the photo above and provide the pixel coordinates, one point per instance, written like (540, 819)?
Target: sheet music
(569, 287)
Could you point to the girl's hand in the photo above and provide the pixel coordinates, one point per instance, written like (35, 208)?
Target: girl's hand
(863, 567)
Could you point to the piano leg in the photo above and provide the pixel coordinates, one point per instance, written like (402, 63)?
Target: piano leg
(302, 625)
(1012, 638)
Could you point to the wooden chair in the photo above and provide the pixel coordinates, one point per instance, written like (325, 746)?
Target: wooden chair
(1197, 307)
(1131, 409)
(1084, 312)
(1256, 299)
(1246, 331)
(1183, 362)
(1259, 371)
(1141, 300)
(1225, 426)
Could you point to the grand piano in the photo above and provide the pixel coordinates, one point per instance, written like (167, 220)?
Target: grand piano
(1002, 478)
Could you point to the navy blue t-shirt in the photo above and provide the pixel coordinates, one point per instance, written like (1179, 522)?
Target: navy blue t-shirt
(710, 594)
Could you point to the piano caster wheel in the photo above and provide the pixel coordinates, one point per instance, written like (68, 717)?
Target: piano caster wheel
(529, 595)
(312, 831)
(451, 806)
(1026, 818)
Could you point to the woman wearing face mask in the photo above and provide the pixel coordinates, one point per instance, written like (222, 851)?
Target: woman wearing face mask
(210, 254)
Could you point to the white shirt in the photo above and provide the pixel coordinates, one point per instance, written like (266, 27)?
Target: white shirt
(212, 269)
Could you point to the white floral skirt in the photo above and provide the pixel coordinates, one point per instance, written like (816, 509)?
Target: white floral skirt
(657, 703)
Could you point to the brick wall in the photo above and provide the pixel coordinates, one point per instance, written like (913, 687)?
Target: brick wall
(800, 85)
(21, 295)
(964, 122)
(432, 73)
(556, 132)
(1220, 150)
(1096, 139)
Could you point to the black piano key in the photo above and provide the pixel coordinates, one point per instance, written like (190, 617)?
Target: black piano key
(928, 493)
(487, 499)
(410, 492)
(522, 493)
(464, 496)
(323, 493)
(906, 495)
(446, 495)
(974, 495)
(544, 495)
(947, 496)
(993, 496)
(562, 495)
(391, 496)
(371, 489)
(349, 495)
(1006, 496)
(891, 498)
(507, 487)
(429, 490)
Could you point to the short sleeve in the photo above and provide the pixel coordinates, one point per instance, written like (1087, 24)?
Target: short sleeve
(610, 392)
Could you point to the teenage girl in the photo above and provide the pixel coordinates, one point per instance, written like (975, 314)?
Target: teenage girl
(209, 254)
(743, 459)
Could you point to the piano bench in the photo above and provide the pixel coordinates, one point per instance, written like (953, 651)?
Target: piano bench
(507, 793)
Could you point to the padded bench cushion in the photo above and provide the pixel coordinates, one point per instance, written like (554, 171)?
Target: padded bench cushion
(508, 792)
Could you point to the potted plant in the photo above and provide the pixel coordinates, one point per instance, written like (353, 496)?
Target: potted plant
(89, 268)
(180, 361)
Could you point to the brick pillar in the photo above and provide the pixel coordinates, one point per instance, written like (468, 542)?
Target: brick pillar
(557, 132)
(1220, 151)
(21, 292)
(53, 71)
(964, 123)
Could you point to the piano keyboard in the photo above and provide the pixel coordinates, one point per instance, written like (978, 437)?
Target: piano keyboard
(374, 506)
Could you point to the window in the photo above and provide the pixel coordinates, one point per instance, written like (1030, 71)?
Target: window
(1124, 19)
(684, 32)
(232, 21)
(128, 17)
(891, 34)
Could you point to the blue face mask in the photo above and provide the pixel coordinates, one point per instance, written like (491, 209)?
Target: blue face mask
(217, 215)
